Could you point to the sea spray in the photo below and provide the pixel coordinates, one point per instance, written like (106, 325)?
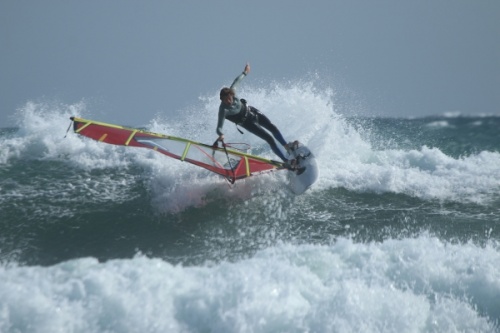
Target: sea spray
(399, 234)
(420, 284)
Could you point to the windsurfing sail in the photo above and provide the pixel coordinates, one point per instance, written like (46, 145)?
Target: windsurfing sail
(229, 163)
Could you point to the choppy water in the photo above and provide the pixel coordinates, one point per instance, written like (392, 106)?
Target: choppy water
(400, 234)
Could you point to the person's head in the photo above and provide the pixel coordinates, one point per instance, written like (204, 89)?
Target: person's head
(226, 95)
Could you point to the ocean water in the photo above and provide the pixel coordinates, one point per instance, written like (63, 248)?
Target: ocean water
(400, 234)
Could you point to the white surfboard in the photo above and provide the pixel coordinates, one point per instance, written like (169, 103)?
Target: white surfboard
(307, 169)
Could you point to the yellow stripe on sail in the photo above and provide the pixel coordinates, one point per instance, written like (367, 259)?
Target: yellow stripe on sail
(185, 151)
(247, 166)
(83, 127)
(103, 137)
(130, 137)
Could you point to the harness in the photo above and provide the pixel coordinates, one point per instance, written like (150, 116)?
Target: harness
(246, 113)
(240, 117)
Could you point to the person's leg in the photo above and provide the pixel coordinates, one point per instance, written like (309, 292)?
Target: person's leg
(267, 124)
(261, 133)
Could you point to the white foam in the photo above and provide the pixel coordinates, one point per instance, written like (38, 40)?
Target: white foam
(426, 173)
(302, 111)
(405, 285)
(439, 124)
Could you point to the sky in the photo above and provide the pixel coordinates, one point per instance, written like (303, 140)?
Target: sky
(129, 60)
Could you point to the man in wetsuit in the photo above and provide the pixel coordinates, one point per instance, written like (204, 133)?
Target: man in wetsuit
(248, 117)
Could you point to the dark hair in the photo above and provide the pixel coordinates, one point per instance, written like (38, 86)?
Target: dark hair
(226, 91)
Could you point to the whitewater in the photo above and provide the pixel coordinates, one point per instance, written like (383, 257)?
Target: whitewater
(400, 233)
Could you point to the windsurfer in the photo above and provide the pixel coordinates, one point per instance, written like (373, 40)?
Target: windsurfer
(237, 111)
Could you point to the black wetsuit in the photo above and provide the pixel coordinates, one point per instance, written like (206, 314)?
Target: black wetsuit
(251, 119)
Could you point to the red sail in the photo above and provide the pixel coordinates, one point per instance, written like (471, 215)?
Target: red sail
(233, 165)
